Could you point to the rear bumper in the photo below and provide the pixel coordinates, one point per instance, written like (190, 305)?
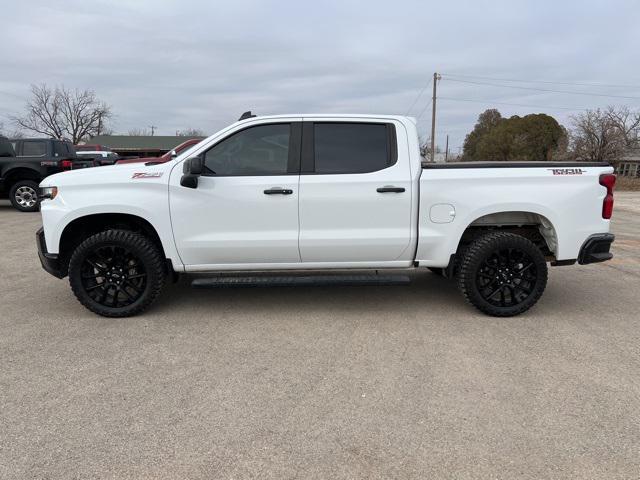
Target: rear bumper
(596, 249)
(50, 262)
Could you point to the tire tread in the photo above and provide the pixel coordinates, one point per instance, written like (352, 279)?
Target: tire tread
(466, 275)
(155, 268)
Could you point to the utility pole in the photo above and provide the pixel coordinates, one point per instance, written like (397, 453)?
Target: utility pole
(153, 129)
(436, 77)
(446, 149)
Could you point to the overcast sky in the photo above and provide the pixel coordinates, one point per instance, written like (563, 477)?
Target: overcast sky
(201, 64)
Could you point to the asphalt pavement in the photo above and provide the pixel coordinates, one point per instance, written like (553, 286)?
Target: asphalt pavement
(326, 382)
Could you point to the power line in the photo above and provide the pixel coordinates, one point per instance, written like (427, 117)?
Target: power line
(418, 97)
(424, 110)
(492, 102)
(544, 89)
(578, 84)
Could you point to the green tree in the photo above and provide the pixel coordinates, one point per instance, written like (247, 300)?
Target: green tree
(486, 122)
(529, 138)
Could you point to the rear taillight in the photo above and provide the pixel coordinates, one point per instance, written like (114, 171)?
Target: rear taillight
(608, 180)
(66, 164)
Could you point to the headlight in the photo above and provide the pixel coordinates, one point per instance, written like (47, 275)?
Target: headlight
(48, 192)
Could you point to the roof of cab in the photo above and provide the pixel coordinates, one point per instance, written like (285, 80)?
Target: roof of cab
(330, 115)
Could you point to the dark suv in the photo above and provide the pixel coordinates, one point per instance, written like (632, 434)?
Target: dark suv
(28, 162)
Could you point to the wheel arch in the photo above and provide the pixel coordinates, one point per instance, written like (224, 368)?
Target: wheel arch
(12, 175)
(533, 225)
(76, 231)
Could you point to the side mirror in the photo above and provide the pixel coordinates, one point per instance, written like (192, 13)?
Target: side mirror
(191, 169)
(174, 154)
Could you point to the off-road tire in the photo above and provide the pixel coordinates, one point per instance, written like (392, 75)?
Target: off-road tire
(148, 259)
(476, 275)
(20, 204)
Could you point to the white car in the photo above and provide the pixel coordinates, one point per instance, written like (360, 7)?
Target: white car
(322, 193)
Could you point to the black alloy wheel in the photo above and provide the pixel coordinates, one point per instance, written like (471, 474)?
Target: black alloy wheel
(507, 277)
(117, 273)
(502, 274)
(113, 276)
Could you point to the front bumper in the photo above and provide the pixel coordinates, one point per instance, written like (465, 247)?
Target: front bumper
(596, 249)
(50, 262)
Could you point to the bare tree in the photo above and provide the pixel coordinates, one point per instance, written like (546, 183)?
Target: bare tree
(425, 148)
(13, 134)
(190, 132)
(139, 132)
(596, 137)
(62, 113)
(627, 122)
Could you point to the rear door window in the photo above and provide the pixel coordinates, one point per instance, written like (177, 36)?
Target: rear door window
(34, 148)
(352, 147)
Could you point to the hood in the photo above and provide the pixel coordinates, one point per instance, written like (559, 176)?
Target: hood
(108, 174)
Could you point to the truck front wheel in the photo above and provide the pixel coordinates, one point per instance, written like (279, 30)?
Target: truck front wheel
(116, 273)
(502, 274)
(24, 195)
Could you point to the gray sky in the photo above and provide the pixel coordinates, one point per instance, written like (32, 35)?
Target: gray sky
(202, 63)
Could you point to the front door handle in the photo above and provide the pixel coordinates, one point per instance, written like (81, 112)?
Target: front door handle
(390, 189)
(278, 191)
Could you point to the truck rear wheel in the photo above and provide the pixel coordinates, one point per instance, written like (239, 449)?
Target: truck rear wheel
(502, 274)
(24, 195)
(116, 273)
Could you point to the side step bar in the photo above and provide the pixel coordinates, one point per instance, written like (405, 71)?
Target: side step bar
(300, 281)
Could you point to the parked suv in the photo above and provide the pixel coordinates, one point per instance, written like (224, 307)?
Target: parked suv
(6, 148)
(33, 159)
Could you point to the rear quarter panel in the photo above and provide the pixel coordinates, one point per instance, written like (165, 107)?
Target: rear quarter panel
(571, 203)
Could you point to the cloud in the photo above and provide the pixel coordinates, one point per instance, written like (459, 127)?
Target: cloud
(200, 63)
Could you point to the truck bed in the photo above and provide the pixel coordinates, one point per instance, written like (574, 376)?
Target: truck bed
(496, 164)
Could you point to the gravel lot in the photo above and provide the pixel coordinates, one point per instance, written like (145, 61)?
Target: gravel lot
(349, 382)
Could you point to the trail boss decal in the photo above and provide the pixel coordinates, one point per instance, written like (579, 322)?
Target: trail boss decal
(146, 175)
(567, 171)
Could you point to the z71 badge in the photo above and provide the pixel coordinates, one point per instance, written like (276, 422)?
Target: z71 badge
(147, 175)
(567, 171)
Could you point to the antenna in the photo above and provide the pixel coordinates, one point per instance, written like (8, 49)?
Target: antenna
(246, 115)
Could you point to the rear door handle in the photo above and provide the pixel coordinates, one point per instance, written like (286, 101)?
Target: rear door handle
(278, 191)
(390, 190)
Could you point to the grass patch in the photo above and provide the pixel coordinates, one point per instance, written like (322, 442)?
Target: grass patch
(628, 184)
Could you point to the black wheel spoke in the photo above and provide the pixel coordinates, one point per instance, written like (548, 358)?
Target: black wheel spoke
(506, 277)
(137, 275)
(113, 276)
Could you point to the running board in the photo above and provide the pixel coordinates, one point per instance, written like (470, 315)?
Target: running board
(300, 281)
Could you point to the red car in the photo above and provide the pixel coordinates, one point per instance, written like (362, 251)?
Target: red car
(167, 156)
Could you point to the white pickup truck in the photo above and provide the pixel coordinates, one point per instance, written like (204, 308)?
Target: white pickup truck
(296, 195)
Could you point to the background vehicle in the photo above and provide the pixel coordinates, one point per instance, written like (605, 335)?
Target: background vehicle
(167, 156)
(99, 158)
(88, 147)
(36, 158)
(322, 193)
(6, 148)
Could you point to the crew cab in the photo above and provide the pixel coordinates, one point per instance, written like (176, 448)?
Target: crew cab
(35, 159)
(326, 194)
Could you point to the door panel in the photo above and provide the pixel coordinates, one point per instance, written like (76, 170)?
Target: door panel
(343, 217)
(231, 220)
(245, 207)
